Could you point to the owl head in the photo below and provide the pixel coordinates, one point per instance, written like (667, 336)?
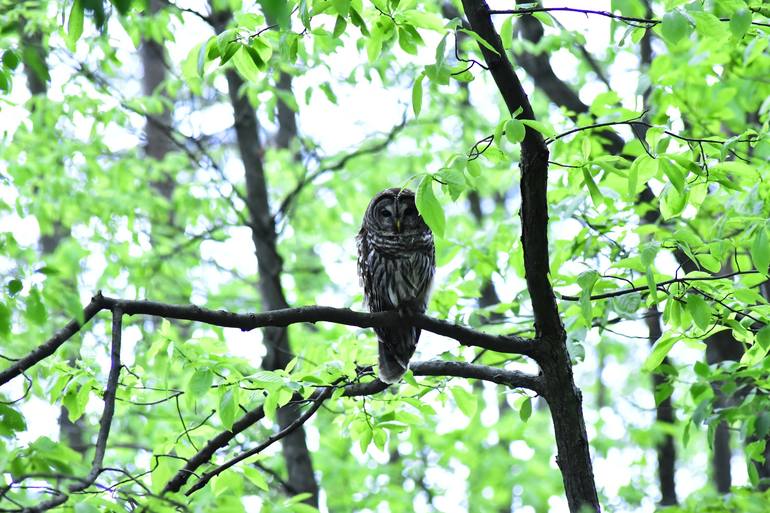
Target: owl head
(393, 212)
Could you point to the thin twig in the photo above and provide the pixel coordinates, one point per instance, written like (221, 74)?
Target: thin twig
(327, 392)
(644, 288)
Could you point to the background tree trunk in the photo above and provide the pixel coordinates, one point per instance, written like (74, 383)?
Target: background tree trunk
(270, 266)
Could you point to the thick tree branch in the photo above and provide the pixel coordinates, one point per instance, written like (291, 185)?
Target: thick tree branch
(275, 318)
(534, 168)
(564, 399)
(51, 345)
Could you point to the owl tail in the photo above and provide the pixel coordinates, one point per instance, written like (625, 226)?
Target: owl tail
(396, 347)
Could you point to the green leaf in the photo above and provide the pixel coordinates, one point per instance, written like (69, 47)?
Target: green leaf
(700, 311)
(753, 473)
(75, 24)
(10, 59)
(474, 168)
(339, 26)
(663, 392)
(740, 23)
(672, 202)
(246, 62)
(5, 320)
(659, 351)
(204, 54)
(422, 19)
(525, 411)
(342, 7)
(228, 406)
(756, 450)
(675, 174)
(36, 311)
(374, 45)
(760, 250)
(417, 94)
(355, 18)
(277, 11)
(200, 382)
(544, 128)
(480, 40)
(429, 207)
(256, 477)
(585, 148)
(14, 287)
(514, 130)
(464, 400)
(270, 406)
(11, 421)
(586, 280)
(674, 27)
(626, 304)
(506, 33)
(763, 338)
(596, 195)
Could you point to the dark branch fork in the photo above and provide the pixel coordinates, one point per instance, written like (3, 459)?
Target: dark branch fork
(119, 307)
(105, 424)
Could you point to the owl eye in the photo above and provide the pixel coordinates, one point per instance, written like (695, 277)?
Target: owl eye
(410, 211)
(385, 213)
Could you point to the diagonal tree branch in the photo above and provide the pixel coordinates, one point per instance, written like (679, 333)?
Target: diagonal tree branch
(512, 379)
(208, 476)
(308, 179)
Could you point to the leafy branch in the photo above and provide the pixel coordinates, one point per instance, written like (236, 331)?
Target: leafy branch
(645, 288)
(645, 23)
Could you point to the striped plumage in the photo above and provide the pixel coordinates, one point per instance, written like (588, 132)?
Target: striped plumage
(396, 262)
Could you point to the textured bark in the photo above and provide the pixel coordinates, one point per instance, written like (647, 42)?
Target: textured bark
(157, 143)
(664, 412)
(563, 397)
(721, 472)
(270, 266)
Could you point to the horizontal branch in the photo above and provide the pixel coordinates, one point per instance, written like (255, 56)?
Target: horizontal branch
(277, 318)
(646, 23)
(645, 288)
(512, 379)
(635, 122)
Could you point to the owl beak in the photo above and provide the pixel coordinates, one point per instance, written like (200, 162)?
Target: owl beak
(398, 225)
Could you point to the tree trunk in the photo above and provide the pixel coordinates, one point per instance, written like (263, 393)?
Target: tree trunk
(270, 266)
(564, 399)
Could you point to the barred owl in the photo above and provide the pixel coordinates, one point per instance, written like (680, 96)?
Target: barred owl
(396, 262)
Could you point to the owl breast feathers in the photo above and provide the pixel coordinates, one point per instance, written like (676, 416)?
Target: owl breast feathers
(396, 263)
